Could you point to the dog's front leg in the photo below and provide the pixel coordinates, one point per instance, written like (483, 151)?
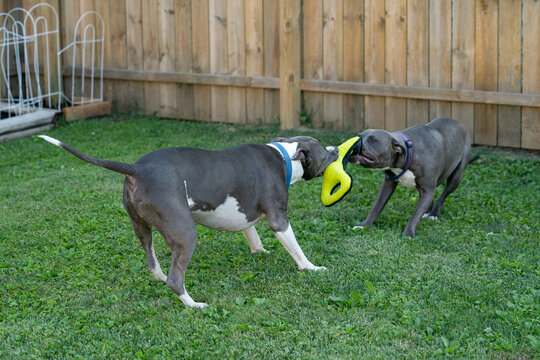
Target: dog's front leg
(288, 240)
(387, 189)
(422, 206)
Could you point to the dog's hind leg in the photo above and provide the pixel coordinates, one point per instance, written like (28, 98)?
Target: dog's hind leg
(423, 204)
(253, 240)
(144, 233)
(180, 235)
(451, 184)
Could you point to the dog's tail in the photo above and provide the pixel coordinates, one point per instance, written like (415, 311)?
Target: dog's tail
(473, 159)
(123, 168)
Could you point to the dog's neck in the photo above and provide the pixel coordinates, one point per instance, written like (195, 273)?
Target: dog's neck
(297, 170)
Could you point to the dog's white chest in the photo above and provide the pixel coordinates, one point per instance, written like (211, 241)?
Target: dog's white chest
(226, 216)
(407, 179)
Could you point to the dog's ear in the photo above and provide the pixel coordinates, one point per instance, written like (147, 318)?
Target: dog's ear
(397, 147)
(302, 153)
(280, 139)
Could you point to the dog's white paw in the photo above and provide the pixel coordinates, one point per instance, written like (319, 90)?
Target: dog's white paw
(159, 275)
(357, 227)
(188, 301)
(198, 305)
(259, 251)
(312, 267)
(426, 215)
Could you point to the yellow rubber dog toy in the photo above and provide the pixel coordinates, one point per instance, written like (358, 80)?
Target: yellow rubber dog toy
(336, 181)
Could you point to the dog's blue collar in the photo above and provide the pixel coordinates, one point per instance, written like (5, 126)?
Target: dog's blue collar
(287, 158)
(408, 148)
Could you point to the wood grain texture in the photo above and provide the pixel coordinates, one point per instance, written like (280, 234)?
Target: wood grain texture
(218, 57)
(289, 62)
(201, 58)
(463, 55)
(509, 71)
(236, 42)
(440, 54)
(333, 61)
(271, 58)
(353, 62)
(396, 61)
(375, 21)
(313, 57)
(184, 58)
(417, 58)
(255, 54)
(530, 122)
(486, 39)
(150, 54)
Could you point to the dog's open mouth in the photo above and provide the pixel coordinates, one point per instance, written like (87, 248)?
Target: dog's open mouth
(360, 159)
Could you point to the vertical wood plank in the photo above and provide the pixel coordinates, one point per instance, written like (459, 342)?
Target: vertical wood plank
(417, 58)
(237, 59)
(69, 11)
(254, 30)
(463, 59)
(150, 54)
(289, 62)
(374, 109)
(86, 58)
(201, 58)
(440, 56)
(530, 129)
(135, 89)
(167, 57)
(313, 57)
(102, 7)
(396, 61)
(49, 49)
(487, 29)
(333, 60)
(218, 57)
(353, 62)
(271, 58)
(184, 58)
(509, 72)
(119, 51)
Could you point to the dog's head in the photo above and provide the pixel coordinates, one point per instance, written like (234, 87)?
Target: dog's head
(380, 150)
(313, 156)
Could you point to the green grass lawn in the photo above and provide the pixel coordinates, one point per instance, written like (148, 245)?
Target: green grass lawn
(74, 283)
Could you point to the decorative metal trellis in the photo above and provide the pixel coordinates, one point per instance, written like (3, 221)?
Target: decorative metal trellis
(27, 79)
(31, 66)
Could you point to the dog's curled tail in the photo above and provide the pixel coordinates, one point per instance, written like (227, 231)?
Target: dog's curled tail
(474, 158)
(123, 168)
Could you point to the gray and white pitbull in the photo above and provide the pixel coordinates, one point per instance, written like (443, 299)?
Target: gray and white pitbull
(421, 157)
(173, 189)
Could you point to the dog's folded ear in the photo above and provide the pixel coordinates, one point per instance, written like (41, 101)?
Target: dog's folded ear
(302, 154)
(397, 147)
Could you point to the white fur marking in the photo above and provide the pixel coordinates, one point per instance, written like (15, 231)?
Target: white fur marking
(188, 301)
(297, 169)
(407, 179)
(254, 240)
(288, 240)
(50, 139)
(190, 201)
(358, 227)
(226, 216)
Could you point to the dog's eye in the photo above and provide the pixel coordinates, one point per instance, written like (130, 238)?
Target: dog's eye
(371, 139)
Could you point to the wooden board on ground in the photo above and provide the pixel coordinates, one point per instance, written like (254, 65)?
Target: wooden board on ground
(86, 111)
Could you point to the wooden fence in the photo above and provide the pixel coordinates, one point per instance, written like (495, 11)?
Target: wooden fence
(347, 64)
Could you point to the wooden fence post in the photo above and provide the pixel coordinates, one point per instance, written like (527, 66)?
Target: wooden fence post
(289, 63)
